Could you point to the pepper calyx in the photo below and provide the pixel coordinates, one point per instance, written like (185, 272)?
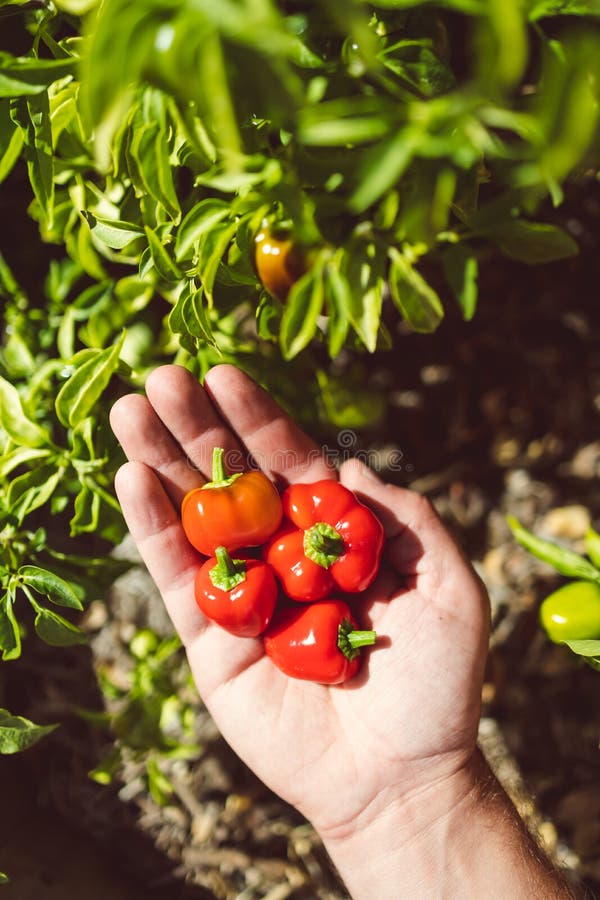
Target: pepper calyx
(219, 478)
(323, 544)
(228, 572)
(350, 639)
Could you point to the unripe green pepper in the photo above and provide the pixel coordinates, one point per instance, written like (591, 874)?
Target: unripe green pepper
(572, 613)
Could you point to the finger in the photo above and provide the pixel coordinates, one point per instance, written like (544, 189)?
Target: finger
(215, 656)
(187, 411)
(418, 542)
(281, 449)
(170, 559)
(145, 439)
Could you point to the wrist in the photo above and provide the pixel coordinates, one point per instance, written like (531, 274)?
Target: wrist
(458, 837)
(402, 825)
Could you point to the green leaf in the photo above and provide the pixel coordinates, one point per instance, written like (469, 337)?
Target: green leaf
(4, 879)
(349, 120)
(470, 7)
(542, 8)
(382, 167)
(461, 270)
(268, 317)
(194, 316)
(366, 314)
(84, 387)
(163, 263)
(17, 356)
(149, 148)
(15, 422)
(214, 247)
(26, 76)
(11, 141)
(534, 243)
(56, 631)
(159, 786)
(10, 634)
(65, 336)
(592, 546)
(8, 284)
(40, 155)
(64, 111)
(19, 457)
(302, 310)
(49, 585)
(338, 298)
(417, 301)
(347, 405)
(363, 267)
(86, 512)
(199, 220)
(507, 55)
(344, 132)
(106, 770)
(18, 733)
(114, 234)
(584, 648)
(565, 561)
(33, 489)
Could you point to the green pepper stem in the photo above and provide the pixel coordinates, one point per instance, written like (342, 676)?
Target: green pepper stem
(323, 544)
(219, 478)
(218, 467)
(351, 639)
(228, 572)
(358, 639)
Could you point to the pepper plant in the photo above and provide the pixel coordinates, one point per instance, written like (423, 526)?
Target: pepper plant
(395, 144)
(571, 615)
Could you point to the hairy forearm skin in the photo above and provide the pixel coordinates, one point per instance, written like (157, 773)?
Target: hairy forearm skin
(462, 839)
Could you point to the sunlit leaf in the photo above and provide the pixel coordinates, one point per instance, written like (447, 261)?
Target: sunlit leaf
(115, 235)
(417, 301)
(565, 561)
(84, 387)
(27, 76)
(10, 635)
(534, 243)
(592, 546)
(337, 293)
(49, 585)
(462, 269)
(164, 265)
(18, 733)
(57, 631)
(15, 422)
(200, 219)
(302, 310)
(585, 648)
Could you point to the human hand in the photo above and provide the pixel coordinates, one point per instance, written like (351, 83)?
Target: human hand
(407, 724)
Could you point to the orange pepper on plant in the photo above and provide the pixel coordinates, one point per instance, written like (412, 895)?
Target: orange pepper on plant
(279, 261)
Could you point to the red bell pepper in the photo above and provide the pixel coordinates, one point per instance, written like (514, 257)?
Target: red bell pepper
(234, 511)
(328, 541)
(238, 594)
(318, 642)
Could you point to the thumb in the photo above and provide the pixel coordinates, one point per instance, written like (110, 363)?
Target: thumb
(418, 542)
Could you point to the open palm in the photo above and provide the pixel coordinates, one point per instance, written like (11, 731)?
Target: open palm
(409, 719)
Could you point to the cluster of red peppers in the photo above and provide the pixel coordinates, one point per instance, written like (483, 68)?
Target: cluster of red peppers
(317, 541)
